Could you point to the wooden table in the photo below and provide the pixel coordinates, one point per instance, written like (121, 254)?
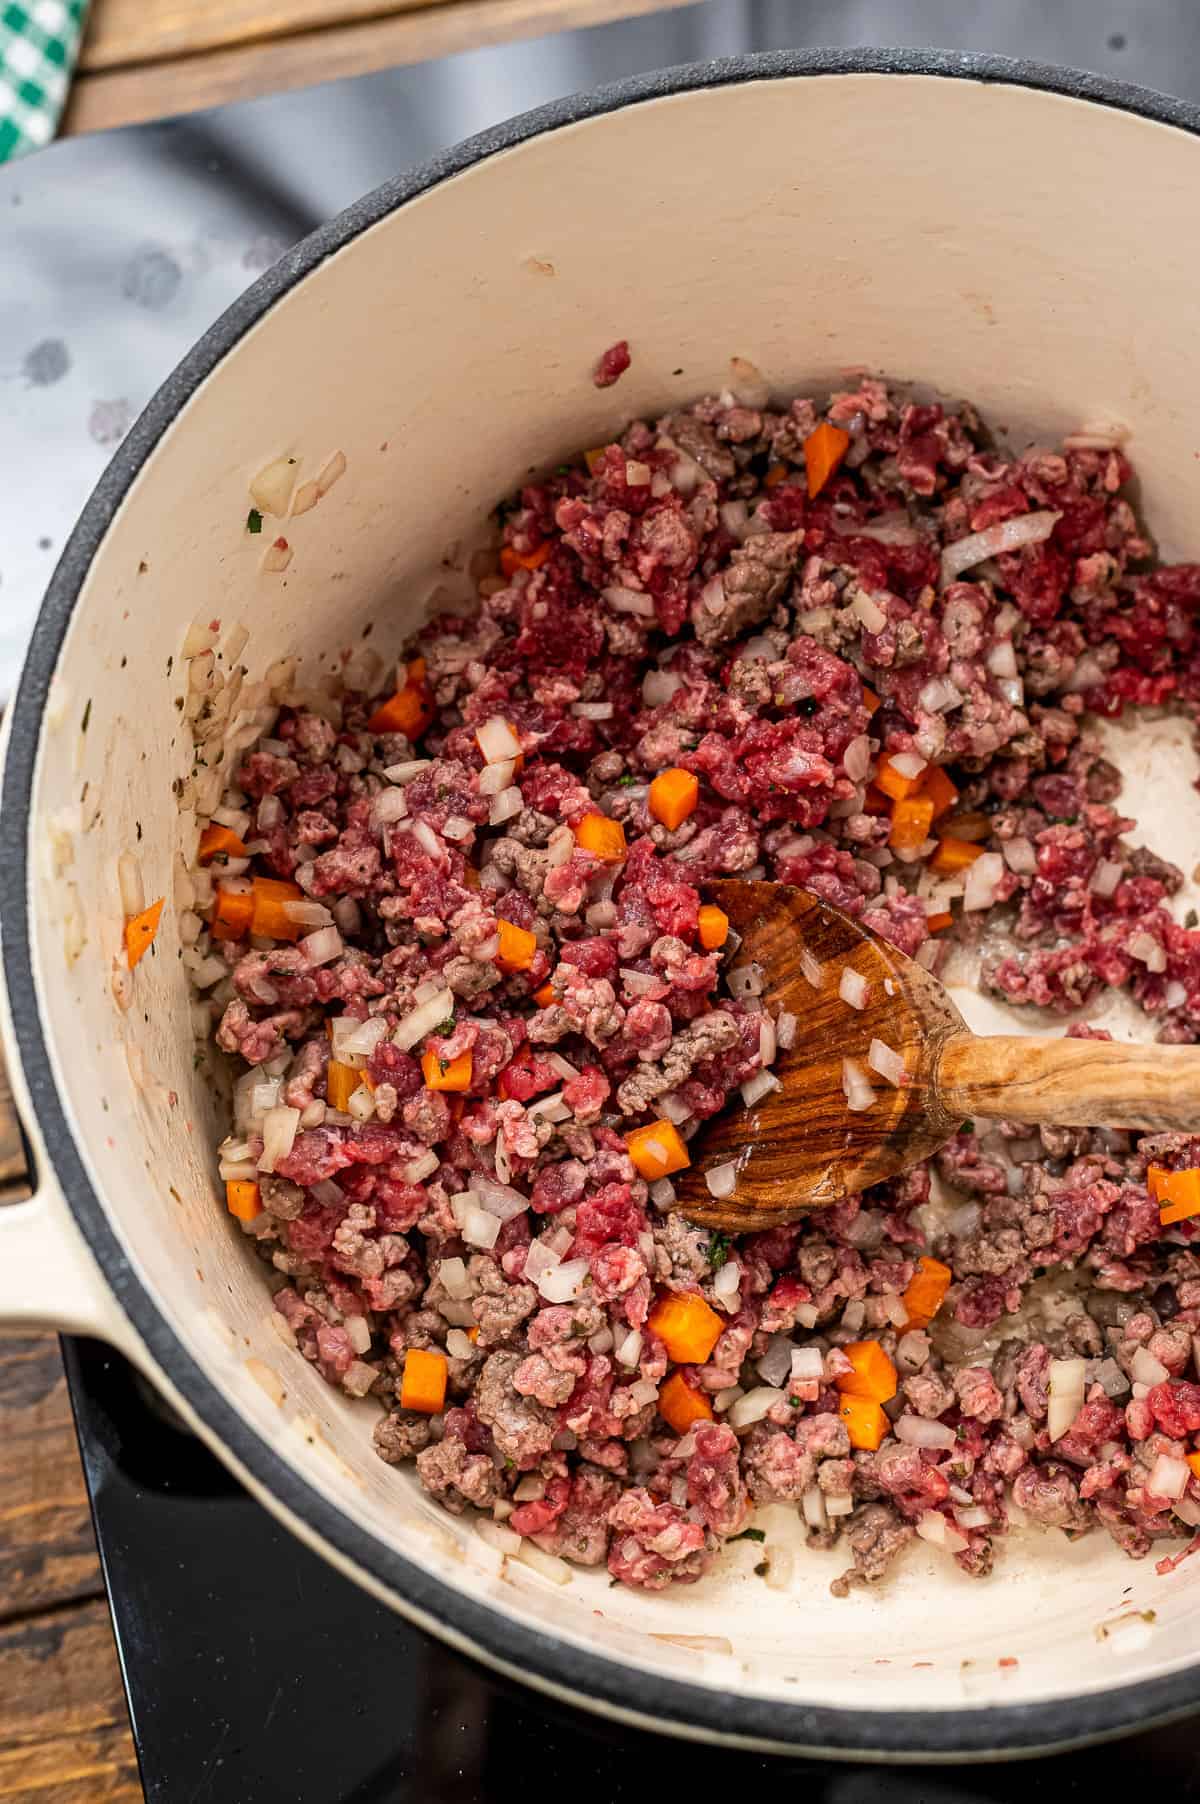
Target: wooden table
(145, 59)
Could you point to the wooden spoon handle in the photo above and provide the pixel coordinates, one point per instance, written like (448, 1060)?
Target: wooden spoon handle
(1071, 1083)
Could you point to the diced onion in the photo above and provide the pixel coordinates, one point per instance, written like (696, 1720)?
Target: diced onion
(1067, 1378)
(129, 881)
(754, 1405)
(776, 1363)
(662, 1193)
(628, 1351)
(1147, 950)
(1088, 673)
(498, 1199)
(592, 710)
(548, 1565)
(983, 880)
(938, 696)
(888, 529)
(1145, 1369)
(279, 1133)
(747, 383)
(494, 1534)
(785, 1030)
(813, 971)
(388, 807)
(658, 686)
(886, 1061)
(746, 980)
(562, 1283)
(540, 1258)
(1009, 535)
(767, 1041)
(497, 741)
(458, 827)
(1168, 1477)
(1001, 660)
(505, 806)
(323, 946)
(917, 1432)
(758, 1086)
(727, 1281)
(853, 987)
(480, 1228)
(909, 764)
(454, 1279)
(629, 601)
(423, 1019)
(807, 1314)
(1013, 691)
(721, 1180)
(857, 758)
(361, 1103)
(868, 612)
(931, 1526)
(812, 1506)
(808, 1363)
(839, 1505)
(271, 489)
(859, 1093)
(670, 1108)
(1019, 855)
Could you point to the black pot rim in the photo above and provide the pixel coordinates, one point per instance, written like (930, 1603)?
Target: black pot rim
(593, 1679)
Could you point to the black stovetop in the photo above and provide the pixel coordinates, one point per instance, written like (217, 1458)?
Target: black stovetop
(255, 1673)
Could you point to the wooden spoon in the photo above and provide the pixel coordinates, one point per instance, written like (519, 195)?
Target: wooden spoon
(802, 1148)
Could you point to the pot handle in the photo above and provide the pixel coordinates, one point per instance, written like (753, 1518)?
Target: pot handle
(48, 1275)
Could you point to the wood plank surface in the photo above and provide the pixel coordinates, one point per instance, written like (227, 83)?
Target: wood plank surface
(64, 1734)
(125, 95)
(47, 1553)
(121, 33)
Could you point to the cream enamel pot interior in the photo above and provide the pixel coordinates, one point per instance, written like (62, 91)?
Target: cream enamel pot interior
(1016, 235)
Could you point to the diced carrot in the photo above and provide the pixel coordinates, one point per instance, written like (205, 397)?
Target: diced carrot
(875, 802)
(269, 919)
(937, 788)
(680, 1404)
(518, 947)
(894, 784)
(409, 711)
(775, 476)
(511, 561)
(545, 997)
(443, 1074)
(714, 926)
(1176, 1192)
(687, 1327)
(874, 1375)
(871, 701)
(140, 931)
(954, 855)
(926, 1291)
(341, 1081)
(911, 821)
(602, 838)
(865, 1422)
(936, 922)
(473, 1334)
(1193, 1460)
(423, 1386)
(673, 796)
(416, 670)
(216, 838)
(233, 911)
(242, 1198)
(657, 1150)
(824, 450)
(594, 458)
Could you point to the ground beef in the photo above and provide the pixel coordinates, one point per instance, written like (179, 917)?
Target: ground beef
(775, 646)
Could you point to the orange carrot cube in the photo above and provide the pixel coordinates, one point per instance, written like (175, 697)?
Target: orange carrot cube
(447, 1074)
(954, 855)
(680, 1404)
(936, 922)
(232, 914)
(926, 1291)
(341, 1081)
(545, 997)
(657, 1150)
(894, 784)
(686, 1326)
(714, 927)
(865, 1422)
(874, 1375)
(140, 931)
(423, 1386)
(602, 838)
(511, 561)
(217, 839)
(242, 1199)
(824, 450)
(517, 947)
(673, 796)
(911, 821)
(775, 476)
(269, 918)
(937, 788)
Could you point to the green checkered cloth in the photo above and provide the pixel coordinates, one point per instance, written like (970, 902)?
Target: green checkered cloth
(39, 41)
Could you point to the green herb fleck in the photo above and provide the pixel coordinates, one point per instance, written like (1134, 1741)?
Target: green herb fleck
(968, 1127)
(627, 781)
(87, 715)
(445, 1028)
(795, 1402)
(750, 1534)
(254, 521)
(718, 1250)
(510, 1465)
(1191, 918)
(563, 470)
(443, 1066)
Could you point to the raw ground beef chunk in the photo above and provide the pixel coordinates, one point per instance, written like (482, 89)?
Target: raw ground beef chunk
(487, 967)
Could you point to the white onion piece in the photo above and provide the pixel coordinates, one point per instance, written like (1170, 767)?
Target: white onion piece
(1145, 1369)
(1168, 1477)
(271, 489)
(853, 988)
(629, 601)
(658, 686)
(388, 807)
(358, 1331)
(406, 770)
(746, 980)
(747, 383)
(423, 1019)
(727, 1281)
(494, 1534)
(839, 1505)
(812, 1506)
(548, 1565)
(129, 881)
(917, 1432)
(1106, 876)
(563, 1282)
(1188, 1510)
(767, 1041)
(813, 971)
(333, 472)
(364, 1036)
(776, 1363)
(1147, 950)
(725, 1400)
(505, 806)
(1001, 660)
(495, 777)
(540, 1258)
(859, 1093)
(592, 710)
(759, 646)
(888, 529)
(886, 1061)
(721, 1180)
(857, 758)
(1020, 856)
(983, 879)
(754, 1405)
(662, 1193)
(480, 1228)
(868, 612)
(361, 1103)
(909, 764)
(498, 1199)
(807, 1315)
(938, 696)
(548, 1108)
(931, 1526)
(279, 1133)
(1067, 1378)
(1088, 673)
(785, 1030)
(758, 1086)
(1175, 994)
(1009, 535)
(670, 1108)
(323, 946)
(497, 741)
(454, 1279)
(628, 1351)
(458, 827)
(808, 1363)
(1013, 691)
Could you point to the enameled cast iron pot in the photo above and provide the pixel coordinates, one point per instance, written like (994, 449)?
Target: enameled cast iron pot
(1018, 235)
